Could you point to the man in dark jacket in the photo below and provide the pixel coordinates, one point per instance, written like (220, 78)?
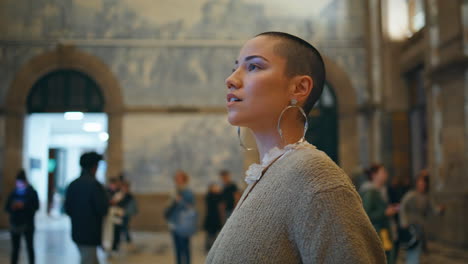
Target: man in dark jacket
(86, 203)
(22, 204)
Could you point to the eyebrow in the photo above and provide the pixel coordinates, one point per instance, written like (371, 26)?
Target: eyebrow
(251, 58)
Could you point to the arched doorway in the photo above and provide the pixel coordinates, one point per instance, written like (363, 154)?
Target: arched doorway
(62, 58)
(64, 119)
(65, 90)
(323, 124)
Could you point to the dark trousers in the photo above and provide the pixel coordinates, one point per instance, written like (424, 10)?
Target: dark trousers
(16, 245)
(126, 229)
(182, 248)
(118, 230)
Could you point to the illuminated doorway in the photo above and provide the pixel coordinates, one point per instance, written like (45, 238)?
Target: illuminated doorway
(65, 119)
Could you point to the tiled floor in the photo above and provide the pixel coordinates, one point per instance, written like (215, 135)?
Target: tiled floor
(54, 246)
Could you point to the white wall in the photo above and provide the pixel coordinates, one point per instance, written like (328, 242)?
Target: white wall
(45, 131)
(37, 132)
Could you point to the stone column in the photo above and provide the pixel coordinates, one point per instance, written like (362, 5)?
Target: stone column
(448, 77)
(13, 153)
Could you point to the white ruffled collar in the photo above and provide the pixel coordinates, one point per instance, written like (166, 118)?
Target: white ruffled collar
(255, 170)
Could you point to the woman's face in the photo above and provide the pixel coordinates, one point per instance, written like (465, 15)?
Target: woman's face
(421, 185)
(180, 179)
(381, 176)
(21, 184)
(258, 86)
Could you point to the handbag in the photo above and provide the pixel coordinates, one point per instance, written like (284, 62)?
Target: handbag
(410, 237)
(186, 222)
(386, 241)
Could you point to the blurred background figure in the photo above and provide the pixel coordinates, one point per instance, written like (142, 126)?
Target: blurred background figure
(182, 217)
(396, 190)
(416, 207)
(230, 195)
(378, 207)
(112, 188)
(86, 203)
(128, 206)
(214, 208)
(22, 204)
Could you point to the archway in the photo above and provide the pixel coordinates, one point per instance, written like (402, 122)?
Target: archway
(348, 147)
(63, 57)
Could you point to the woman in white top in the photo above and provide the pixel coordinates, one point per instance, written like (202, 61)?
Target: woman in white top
(299, 206)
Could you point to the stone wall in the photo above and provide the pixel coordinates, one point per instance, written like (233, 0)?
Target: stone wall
(176, 54)
(202, 145)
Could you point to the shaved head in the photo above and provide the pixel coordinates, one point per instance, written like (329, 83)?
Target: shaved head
(301, 59)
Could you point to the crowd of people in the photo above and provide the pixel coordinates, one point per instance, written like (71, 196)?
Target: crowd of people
(398, 212)
(100, 215)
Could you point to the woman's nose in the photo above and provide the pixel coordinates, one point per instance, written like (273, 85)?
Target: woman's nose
(232, 81)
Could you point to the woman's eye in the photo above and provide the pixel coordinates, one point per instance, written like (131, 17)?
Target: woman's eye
(252, 67)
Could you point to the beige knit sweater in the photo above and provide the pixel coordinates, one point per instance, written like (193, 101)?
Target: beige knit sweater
(304, 210)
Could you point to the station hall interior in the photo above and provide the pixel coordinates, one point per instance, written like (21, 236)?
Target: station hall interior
(143, 83)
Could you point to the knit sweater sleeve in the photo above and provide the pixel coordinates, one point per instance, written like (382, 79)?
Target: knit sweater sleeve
(332, 227)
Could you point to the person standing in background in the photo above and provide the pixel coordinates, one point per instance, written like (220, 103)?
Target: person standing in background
(377, 206)
(213, 221)
(112, 188)
(230, 194)
(22, 204)
(416, 206)
(181, 218)
(128, 206)
(86, 203)
(396, 190)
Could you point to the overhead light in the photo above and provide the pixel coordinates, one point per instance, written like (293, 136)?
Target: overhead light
(73, 115)
(103, 136)
(92, 127)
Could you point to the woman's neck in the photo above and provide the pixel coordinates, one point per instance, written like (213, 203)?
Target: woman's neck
(269, 138)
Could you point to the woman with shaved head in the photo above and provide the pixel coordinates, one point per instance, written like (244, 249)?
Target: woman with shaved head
(299, 207)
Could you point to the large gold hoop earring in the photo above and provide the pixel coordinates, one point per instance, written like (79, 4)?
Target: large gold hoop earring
(293, 104)
(241, 143)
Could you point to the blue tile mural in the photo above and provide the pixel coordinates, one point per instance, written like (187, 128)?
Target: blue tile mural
(156, 146)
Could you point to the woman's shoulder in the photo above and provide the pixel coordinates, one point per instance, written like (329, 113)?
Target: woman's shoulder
(188, 195)
(313, 169)
(410, 195)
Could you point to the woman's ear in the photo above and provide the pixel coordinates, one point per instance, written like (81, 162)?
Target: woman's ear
(302, 86)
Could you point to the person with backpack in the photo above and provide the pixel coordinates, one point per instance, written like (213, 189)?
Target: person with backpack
(182, 217)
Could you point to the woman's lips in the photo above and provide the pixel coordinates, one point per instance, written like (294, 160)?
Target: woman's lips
(232, 99)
